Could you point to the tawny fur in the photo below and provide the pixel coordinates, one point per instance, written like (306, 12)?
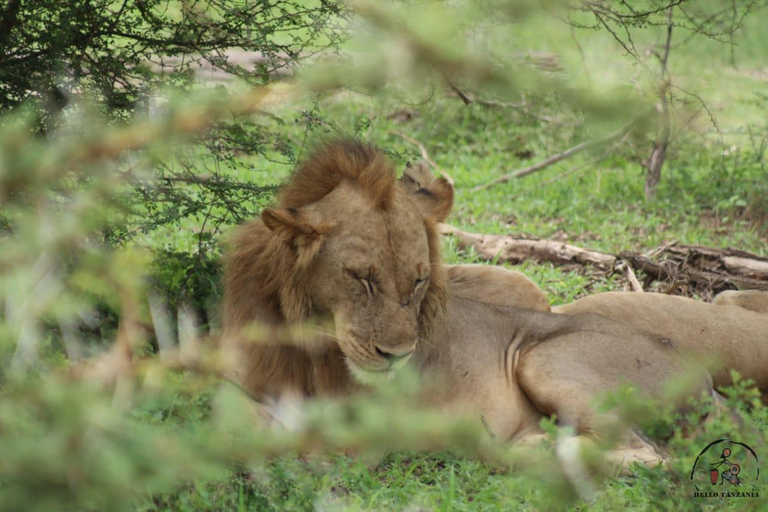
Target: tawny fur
(752, 300)
(722, 337)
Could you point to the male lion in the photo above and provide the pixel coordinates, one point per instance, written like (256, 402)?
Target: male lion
(347, 244)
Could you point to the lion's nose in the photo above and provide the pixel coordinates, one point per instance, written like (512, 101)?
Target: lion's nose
(394, 355)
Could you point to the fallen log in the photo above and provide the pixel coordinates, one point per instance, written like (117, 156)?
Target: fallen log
(516, 250)
(706, 270)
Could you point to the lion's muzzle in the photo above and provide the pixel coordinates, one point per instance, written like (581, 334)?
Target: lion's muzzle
(393, 356)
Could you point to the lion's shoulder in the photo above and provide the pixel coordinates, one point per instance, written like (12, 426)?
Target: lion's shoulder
(497, 286)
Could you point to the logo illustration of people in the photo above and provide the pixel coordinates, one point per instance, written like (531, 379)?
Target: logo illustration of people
(726, 468)
(729, 473)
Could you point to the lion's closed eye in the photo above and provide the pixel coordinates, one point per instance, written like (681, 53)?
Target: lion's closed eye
(369, 288)
(364, 279)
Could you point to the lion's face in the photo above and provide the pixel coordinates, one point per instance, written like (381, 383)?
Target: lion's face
(369, 274)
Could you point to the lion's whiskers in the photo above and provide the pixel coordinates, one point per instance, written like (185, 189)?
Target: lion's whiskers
(325, 331)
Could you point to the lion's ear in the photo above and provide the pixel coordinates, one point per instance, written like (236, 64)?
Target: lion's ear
(434, 195)
(288, 224)
(437, 200)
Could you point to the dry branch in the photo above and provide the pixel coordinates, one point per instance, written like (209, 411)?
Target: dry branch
(422, 148)
(466, 99)
(424, 154)
(583, 166)
(629, 275)
(522, 107)
(559, 157)
(706, 270)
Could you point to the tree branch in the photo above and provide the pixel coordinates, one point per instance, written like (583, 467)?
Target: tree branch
(560, 156)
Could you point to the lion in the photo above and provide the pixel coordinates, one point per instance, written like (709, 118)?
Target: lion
(349, 250)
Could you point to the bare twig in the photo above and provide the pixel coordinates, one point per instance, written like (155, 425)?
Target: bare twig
(189, 179)
(424, 154)
(501, 104)
(710, 114)
(590, 162)
(629, 274)
(577, 168)
(517, 106)
(466, 99)
(422, 149)
(580, 49)
(659, 250)
(672, 288)
(559, 157)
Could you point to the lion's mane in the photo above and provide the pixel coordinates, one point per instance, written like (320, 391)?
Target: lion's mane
(265, 280)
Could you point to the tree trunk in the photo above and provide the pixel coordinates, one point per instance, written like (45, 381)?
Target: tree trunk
(659, 153)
